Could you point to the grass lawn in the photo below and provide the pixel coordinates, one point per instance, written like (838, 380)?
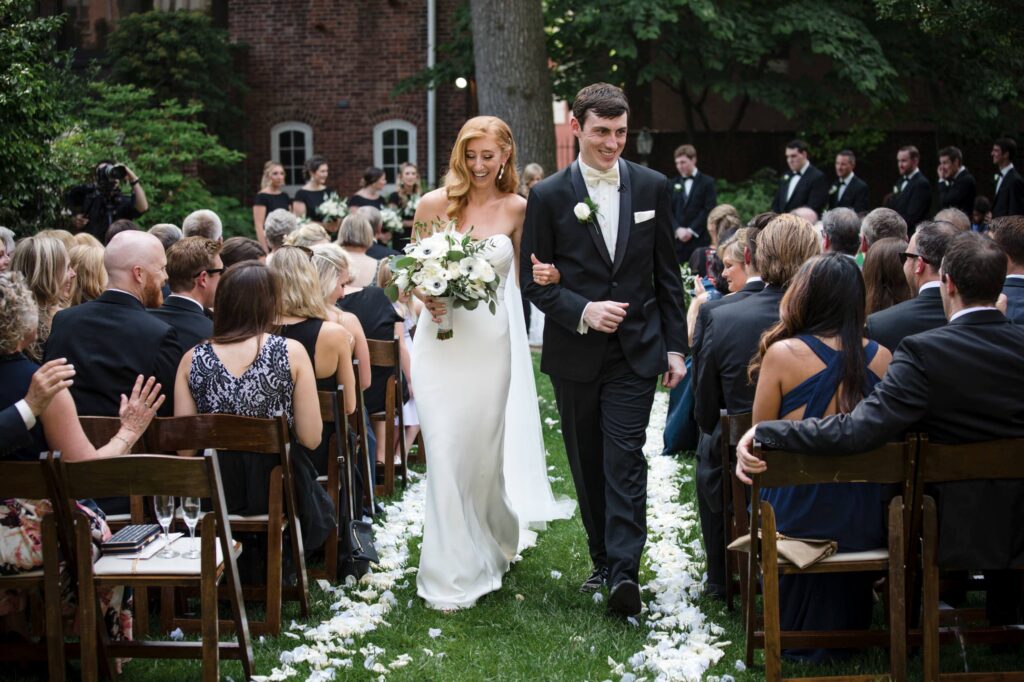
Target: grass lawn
(537, 627)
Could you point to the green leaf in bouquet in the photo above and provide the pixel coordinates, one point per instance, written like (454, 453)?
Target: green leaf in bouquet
(392, 291)
(455, 256)
(491, 307)
(471, 304)
(402, 262)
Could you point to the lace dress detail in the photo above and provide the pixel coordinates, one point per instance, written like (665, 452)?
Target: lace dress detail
(264, 389)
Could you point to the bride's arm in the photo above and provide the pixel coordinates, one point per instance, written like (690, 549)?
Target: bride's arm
(432, 207)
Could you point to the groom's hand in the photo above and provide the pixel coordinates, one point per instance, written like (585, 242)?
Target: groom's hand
(604, 316)
(676, 371)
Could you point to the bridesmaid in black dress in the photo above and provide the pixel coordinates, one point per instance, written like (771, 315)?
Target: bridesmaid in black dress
(404, 200)
(270, 197)
(314, 192)
(374, 181)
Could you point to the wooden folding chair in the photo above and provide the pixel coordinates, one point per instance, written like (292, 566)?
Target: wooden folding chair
(99, 431)
(992, 460)
(362, 458)
(159, 475)
(892, 463)
(331, 413)
(388, 354)
(734, 520)
(28, 480)
(249, 434)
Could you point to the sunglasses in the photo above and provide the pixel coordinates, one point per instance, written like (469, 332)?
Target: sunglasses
(904, 255)
(210, 271)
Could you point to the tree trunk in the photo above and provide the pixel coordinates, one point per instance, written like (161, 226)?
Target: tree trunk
(512, 76)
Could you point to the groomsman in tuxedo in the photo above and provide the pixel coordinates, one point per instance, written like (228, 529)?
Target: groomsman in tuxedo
(803, 185)
(912, 193)
(194, 268)
(1009, 234)
(693, 197)
(951, 383)
(848, 191)
(1009, 198)
(956, 184)
(614, 322)
(921, 263)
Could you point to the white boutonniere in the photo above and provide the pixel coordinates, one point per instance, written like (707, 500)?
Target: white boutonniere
(586, 211)
(833, 189)
(678, 187)
(895, 189)
(997, 177)
(786, 177)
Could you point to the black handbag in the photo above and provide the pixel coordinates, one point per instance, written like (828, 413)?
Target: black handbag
(360, 533)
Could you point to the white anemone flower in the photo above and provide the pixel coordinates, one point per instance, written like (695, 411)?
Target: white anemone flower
(435, 287)
(476, 269)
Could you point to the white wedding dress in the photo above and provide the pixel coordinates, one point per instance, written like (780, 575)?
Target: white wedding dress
(465, 386)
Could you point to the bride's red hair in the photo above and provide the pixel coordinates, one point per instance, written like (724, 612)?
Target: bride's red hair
(457, 182)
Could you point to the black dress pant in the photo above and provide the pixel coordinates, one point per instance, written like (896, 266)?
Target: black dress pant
(709, 481)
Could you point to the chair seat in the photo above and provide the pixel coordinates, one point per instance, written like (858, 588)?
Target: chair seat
(27, 576)
(880, 554)
(109, 566)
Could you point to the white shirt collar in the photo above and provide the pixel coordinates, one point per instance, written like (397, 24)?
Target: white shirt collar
(913, 173)
(846, 179)
(965, 311)
(1004, 171)
(929, 285)
(803, 168)
(584, 167)
(957, 174)
(754, 278)
(189, 298)
(1015, 276)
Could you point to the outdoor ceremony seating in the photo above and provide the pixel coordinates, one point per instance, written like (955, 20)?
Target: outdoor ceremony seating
(735, 521)
(337, 460)
(363, 458)
(99, 431)
(388, 354)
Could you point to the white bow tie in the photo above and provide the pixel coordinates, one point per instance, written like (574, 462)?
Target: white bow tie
(596, 177)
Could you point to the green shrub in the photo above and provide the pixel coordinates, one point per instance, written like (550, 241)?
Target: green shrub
(751, 196)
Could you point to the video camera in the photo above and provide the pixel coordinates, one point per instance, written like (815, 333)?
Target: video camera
(108, 174)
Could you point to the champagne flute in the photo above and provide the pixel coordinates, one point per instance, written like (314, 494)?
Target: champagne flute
(164, 505)
(190, 510)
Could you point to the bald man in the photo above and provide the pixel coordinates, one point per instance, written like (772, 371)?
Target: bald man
(112, 339)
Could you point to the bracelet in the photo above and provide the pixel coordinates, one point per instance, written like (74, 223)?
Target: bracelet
(135, 181)
(123, 440)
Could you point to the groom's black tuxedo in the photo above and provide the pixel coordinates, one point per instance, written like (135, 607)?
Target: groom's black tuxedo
(604, 383)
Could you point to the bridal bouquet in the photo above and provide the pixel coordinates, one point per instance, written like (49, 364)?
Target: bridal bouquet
(392, 221)
(409, 210)
(447, 265)
(333, 208)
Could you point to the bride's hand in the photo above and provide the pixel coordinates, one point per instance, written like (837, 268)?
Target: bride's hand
(436, 307)
(544, 273)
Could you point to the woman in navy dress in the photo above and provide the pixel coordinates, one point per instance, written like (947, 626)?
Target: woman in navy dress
(813, 363)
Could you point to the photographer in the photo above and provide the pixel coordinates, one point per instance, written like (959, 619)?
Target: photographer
(94, 207)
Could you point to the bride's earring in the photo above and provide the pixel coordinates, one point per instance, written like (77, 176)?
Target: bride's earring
(501, 171)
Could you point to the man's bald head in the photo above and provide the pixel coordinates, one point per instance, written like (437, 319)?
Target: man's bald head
(135, 261)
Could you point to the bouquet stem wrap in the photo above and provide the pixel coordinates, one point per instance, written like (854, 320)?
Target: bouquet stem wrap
(444, 326)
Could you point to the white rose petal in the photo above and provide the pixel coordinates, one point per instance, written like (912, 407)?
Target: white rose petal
(434, 633)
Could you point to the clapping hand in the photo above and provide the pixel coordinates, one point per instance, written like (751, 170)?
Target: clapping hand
(746, 463)
(544, 273)
(138, 410)
(48, 381)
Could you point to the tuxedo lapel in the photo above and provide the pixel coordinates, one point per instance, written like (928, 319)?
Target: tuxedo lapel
(580, 190)
(625, 214)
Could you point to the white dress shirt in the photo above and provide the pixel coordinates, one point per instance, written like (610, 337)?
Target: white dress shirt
(905, 180)
(606, 196)
(794, 180)
(26, 413)
(189, 298)
(1002, 176)
(974, 309)
(843, 184)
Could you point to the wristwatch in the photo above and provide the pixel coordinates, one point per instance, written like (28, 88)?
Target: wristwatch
(135, 181)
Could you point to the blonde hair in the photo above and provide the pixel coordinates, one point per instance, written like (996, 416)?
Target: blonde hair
(309, 234)
(329, 260)
(18, 309)
(43, 261)
(300, 283)
(785, 243)
(267, 168)
(356, 230)
(84, 239)
(531, 172)
(63, 236)
(90, 275)
(457, 180)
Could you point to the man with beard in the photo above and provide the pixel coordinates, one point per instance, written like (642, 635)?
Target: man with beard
(112, 339)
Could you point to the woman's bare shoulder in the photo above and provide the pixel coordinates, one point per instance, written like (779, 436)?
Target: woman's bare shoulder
(434, 201)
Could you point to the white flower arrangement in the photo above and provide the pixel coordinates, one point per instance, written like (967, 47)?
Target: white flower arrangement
(446, 264)
(586, 212)
(678, 187)
(411, 204)
(392, 220)
(333, 207)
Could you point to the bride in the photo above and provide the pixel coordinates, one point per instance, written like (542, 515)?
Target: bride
(475, 394)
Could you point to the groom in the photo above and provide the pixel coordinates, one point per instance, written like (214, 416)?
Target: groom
(615, 322)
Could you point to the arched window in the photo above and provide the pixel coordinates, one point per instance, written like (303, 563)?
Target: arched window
(394, 143)
(291, 143)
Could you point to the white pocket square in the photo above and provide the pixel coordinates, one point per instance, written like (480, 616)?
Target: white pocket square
(642, 216)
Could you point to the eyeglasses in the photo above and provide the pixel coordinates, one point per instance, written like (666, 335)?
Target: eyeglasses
(210, 271)
(904, 255)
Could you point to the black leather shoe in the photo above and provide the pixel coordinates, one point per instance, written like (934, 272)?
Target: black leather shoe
(624, 599)
(596, 581)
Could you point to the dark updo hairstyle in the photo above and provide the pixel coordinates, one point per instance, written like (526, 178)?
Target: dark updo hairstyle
(883, 275)
(371, 175)
(311, 165)
(826, 299)
(247, 303)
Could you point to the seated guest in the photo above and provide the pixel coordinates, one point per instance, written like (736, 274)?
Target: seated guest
(840, 232)
(6, 248)
(39, 396)
(246, 370)
(278, 225)
(304, 318)
(308, 235)
(921, 267)
(238, 249)
(815, 362)
(112, 339)
(954, 217)
(1009, 234)
(379, 249)
(374, 182)
(807, 213)
(203, 223)
(981, 216)
(81, 239)
(761, 220)
(950, 383)
(166, 233)
(332, 270)
(355, 237)
(90, 276)
(194, 268)
(725, 338)
(721, 219)
(45, 264)
(884, 278)
(63, 236)
(118, 226)
(882, 223)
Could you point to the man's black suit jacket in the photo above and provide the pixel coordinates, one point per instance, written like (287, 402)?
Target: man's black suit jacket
(959, 193)
(914, 201)
(1013, 287)
(855, 196)
(952, 383)
(693, 213)
(811, 191)
(729, 342)
(1009, 199)
(191, 324)
(13, 434)
(919, 314)
(111, 341)
(644, 274)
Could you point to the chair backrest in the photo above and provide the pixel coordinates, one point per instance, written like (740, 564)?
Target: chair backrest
(384, 353)
(890, 463)
(219, 431)
(734, 426)
(994, 459)
(24, 479)
(100, 430)
(141, 475)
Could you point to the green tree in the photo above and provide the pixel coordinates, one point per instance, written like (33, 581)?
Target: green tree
(35, 80)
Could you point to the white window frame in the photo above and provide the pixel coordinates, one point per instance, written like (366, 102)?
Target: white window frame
(275, 144)
(378, 145)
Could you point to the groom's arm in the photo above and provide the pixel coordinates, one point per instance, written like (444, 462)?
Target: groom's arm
(554, 300)
(668, 283)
